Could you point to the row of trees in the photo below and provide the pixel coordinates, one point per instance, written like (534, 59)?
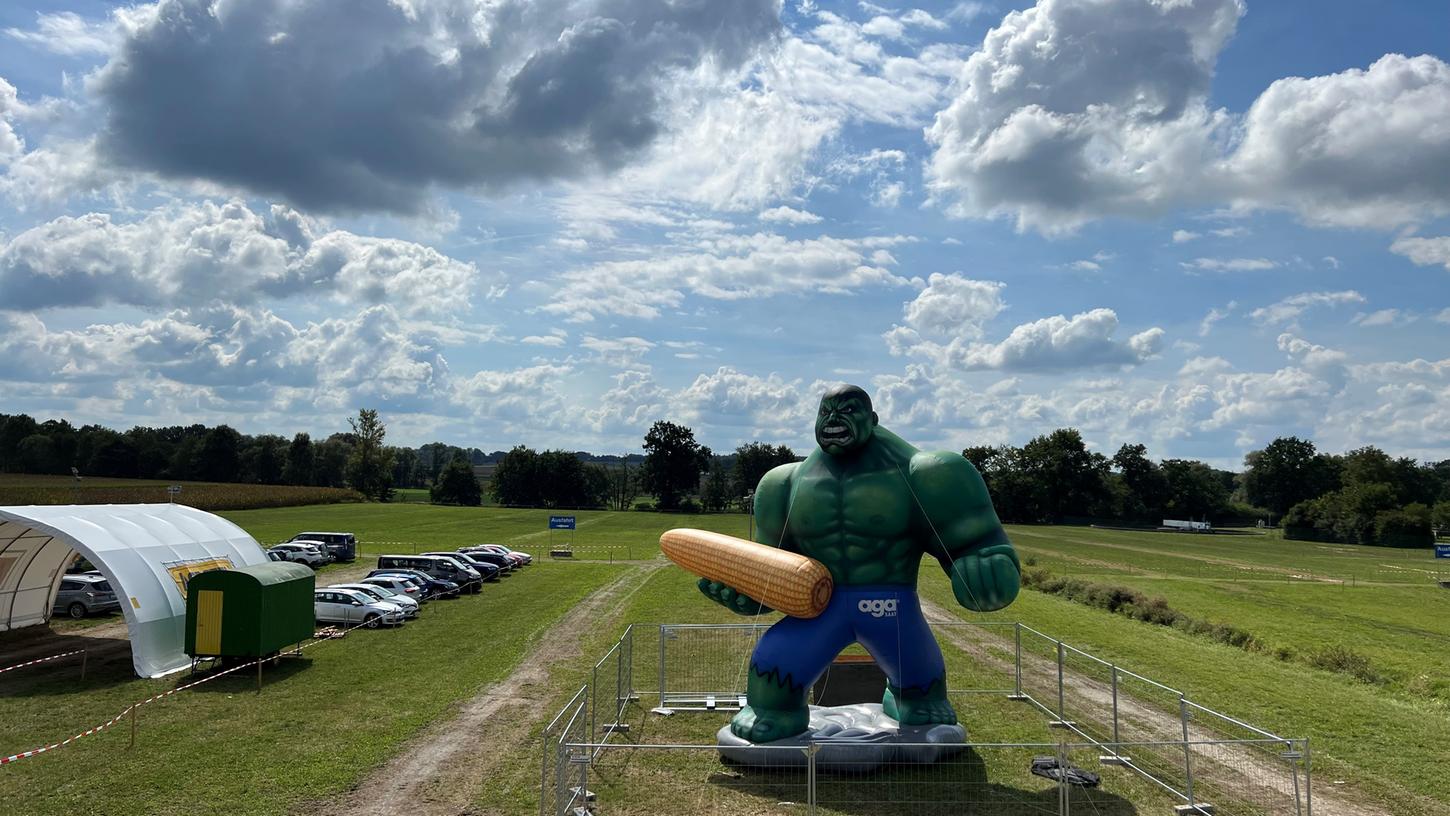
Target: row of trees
(670, 472)
(1054, 477)
(357, 458)
(1362, 497)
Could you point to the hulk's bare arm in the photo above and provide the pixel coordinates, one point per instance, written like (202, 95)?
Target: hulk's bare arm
(962, 532)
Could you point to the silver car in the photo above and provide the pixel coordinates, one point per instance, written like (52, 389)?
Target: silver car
(82, 595)
(408, 605)
(350, 607)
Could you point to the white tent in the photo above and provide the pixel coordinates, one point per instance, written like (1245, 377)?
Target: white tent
(146, 551)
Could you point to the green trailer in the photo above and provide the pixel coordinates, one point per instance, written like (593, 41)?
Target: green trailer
(249, 612)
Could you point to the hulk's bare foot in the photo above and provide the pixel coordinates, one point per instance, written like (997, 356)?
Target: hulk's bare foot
(767, 724)
(916, 708)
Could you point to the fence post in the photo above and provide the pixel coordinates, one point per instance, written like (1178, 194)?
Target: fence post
(561, 775)
(1017, 659)
(133, 728)
(1308, 782)
(662, 666)
(544, 771)
(1116, 740)
(84, 656)
(629, 666)
(1064, 797)
(1187, 754)
(811, 778)
(1061, 708)
(593, 702)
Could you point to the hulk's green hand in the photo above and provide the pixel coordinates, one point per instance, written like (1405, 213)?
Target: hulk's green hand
(987, 579)
(733, 600)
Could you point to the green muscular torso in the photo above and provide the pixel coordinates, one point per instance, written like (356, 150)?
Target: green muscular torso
(870, 517)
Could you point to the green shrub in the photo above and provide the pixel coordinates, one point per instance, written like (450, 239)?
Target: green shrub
(1407, 527)
(1342, 659)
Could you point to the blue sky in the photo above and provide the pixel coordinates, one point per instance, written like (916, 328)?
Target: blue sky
(1196, 224)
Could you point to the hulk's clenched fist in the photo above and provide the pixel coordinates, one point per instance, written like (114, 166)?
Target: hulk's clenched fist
(988, 579)
(868, 506)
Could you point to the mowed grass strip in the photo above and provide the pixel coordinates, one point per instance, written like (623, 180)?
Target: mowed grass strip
(320, 723)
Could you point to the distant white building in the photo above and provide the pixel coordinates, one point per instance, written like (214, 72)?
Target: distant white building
(1188, 526)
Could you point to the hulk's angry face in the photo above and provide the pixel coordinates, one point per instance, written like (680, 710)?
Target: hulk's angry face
(845, 421)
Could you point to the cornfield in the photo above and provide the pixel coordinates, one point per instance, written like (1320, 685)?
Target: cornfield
(18, 490)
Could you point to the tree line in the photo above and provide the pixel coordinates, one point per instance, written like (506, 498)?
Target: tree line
(356, 458)
(1363, 496)
(675, 470)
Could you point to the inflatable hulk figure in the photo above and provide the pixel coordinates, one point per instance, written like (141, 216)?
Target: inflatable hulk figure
(868, 505)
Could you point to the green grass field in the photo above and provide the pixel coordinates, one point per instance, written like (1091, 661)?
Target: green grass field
(350, 704)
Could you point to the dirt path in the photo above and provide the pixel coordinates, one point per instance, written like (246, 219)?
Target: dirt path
(1252, 775)
(441, 770)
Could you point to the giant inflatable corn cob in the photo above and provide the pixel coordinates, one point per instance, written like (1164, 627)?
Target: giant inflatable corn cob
(796, 585)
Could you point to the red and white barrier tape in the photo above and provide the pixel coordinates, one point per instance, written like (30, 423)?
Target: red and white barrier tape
(41, 660)
(26, 754)
(68, 741)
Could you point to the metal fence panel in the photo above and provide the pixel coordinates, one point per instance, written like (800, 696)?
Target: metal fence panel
(705, 667)
(559, 774)
(653, 780)
(1145, 736)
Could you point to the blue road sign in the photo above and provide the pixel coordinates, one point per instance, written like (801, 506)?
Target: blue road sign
(1442, 550)
(561, 522)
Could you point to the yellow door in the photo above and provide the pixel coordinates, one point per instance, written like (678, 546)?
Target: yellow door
(209, 622)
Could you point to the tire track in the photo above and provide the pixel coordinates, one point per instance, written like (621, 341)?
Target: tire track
(441, 770)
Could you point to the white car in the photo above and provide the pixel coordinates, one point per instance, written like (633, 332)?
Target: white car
(300, 553)
(316, 544)
(350, 607)
(398, 584)
(408, 605)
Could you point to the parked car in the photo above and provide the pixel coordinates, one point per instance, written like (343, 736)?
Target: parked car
(490, 570)
(300, 552)
(519, 560)
(349, 607)
(528, 559)
(505, 565)
(409, 606)
(275, 556)
(413, 588)
(449, 569)
(341, 546)
(434, 587)
(319, 546)
(82, 595)
(461, 559)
